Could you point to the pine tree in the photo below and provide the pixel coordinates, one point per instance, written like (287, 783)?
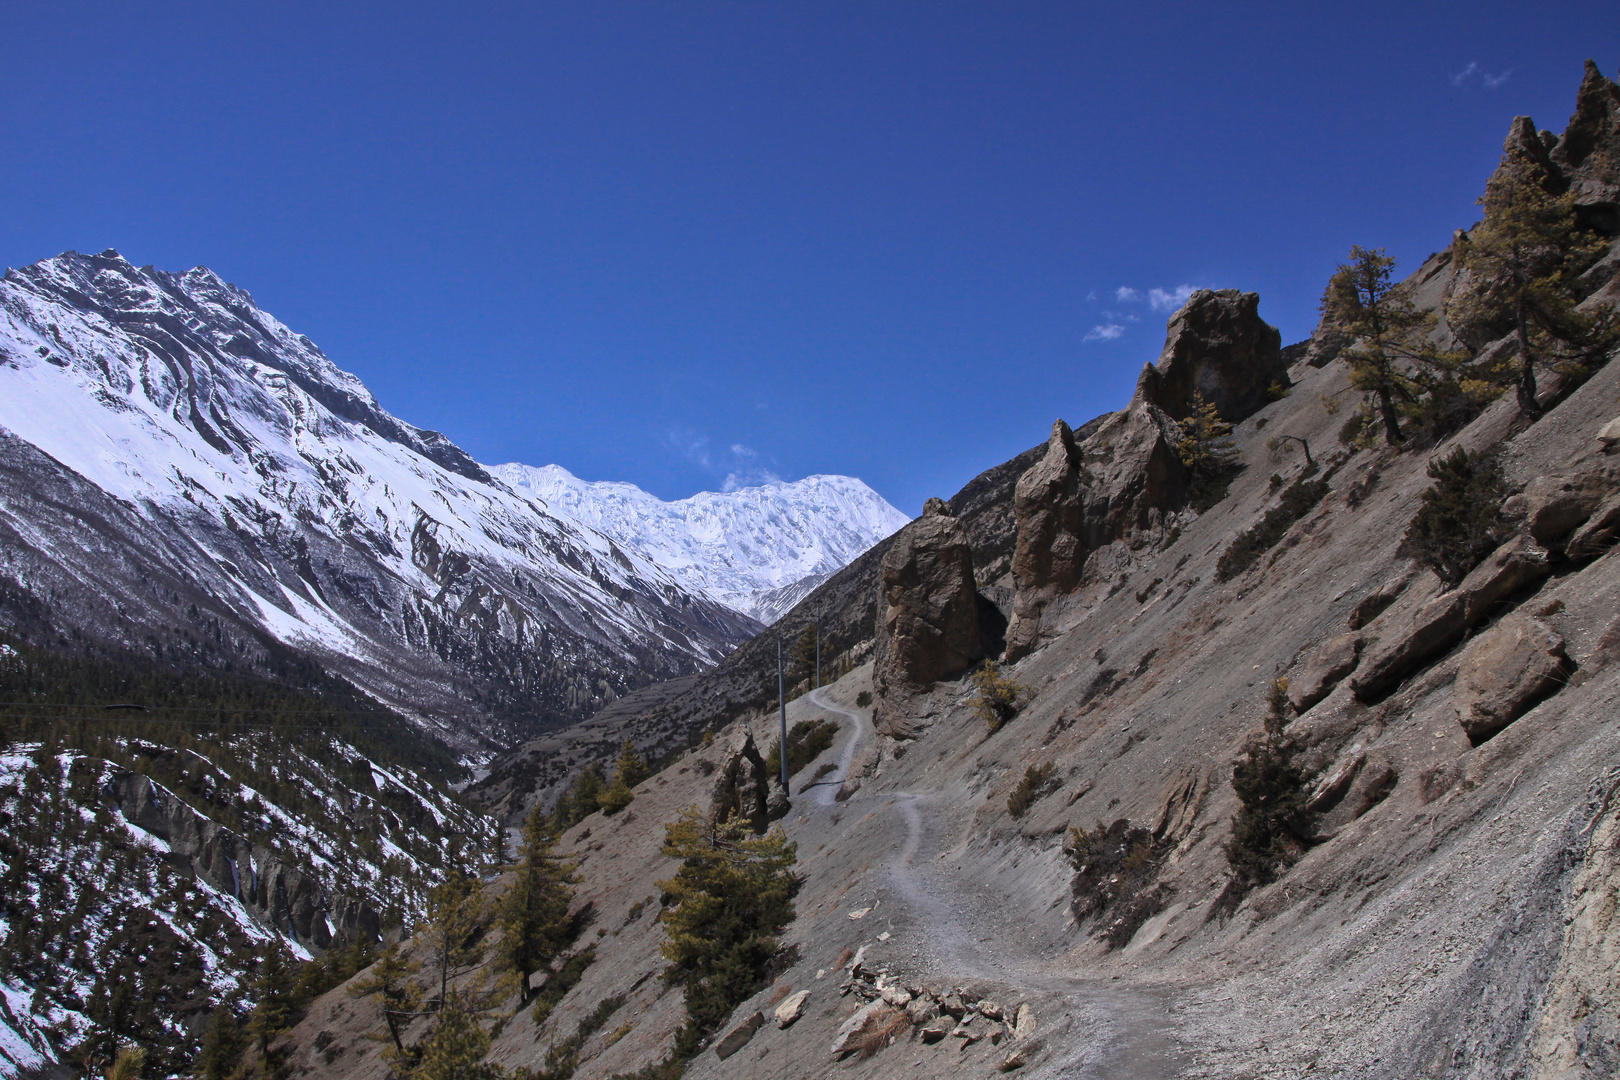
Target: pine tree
(1387, 331)
(802, 656)
(128, 1064)
(535, 926)
(628, 771)
(222, 1045)
(450, 936)
(455, 1048)
(1522, 261)
(274, 988)
(731, 896)
(1271, 788)
(390, 983)
(1459, 522)
(1207, 451)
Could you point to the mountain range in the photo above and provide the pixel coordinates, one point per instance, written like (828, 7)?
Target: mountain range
(186, 476)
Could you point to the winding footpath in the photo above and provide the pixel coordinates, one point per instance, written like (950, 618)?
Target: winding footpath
(1094, 1028)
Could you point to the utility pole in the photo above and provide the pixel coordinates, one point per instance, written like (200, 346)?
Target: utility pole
(781, 697)
(817, 625)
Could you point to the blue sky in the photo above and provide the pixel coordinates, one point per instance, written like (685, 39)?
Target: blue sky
(681, 243)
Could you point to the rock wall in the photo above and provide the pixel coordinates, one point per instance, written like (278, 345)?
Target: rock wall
(930, 610)
(282, 898)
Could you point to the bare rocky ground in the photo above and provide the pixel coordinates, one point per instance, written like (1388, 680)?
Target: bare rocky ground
(1454, 913)
(1461, 926)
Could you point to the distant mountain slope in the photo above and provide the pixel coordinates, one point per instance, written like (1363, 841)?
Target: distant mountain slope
(186, 476)
(739, 547)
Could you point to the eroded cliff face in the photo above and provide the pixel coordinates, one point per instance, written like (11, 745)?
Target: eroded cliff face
(929, 626)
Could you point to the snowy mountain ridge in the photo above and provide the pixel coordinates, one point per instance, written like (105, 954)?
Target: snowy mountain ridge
(181, 471)
(746, 548)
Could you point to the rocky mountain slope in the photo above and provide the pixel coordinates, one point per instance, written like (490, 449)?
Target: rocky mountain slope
(184, 475)
(1073, 890)
(758, 550)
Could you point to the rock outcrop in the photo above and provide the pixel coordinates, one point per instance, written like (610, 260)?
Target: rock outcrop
(1217, 345)
(277, 895)
(929, 627)
(1440, 623)
(1505, 671)
(1118, 485)
(1323, 671)
(745, 788)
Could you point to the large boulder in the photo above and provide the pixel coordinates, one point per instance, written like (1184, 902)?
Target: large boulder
(1324, 670)
(1504, 672)
(1217, 345)
(1551, 506)
(929, 611)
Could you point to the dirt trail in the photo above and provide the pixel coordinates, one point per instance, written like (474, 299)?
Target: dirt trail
(1093, 1027)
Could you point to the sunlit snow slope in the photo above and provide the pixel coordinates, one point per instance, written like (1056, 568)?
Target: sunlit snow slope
(180, 472)
(746, 548)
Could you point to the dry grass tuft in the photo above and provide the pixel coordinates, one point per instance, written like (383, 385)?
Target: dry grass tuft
(882, 1028)
(843, 958)
(780, 991)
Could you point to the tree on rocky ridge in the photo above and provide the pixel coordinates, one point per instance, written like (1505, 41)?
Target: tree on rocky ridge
(1387, 330)
(1522, 261)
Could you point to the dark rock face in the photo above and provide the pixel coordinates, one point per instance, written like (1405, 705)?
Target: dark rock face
(280, 897)
(1587, 155)
(1117, 485)
(745, 788)
(1217, 345)
(930, 622)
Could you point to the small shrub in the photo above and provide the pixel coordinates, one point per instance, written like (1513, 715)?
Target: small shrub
(1277, 391)
(823, 770)
(882, 1028)
(807, 739)
(1038, 780)
(1269, 830)
(1460, 520)
(1116, 870)
(863, 699)
(996, 698)
(1298, 500)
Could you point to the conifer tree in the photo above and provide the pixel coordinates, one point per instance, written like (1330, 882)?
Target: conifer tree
(1522, 261)
(222, 1045)
(455, 1048)
(1207, 451)
(535, 926)
(1271, 790)
(1458, 522)
(802, 656)
(390, 982)
(731, 896)
(450, 935)
(628, 771)
(274, 988)
(1387, 331)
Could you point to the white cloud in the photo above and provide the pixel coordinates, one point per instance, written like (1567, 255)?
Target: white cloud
(1091, 297)
(1160, 300)
(1486, 79)
(1126, 295)
(748, 478)
(692, 446)
(1106, 332)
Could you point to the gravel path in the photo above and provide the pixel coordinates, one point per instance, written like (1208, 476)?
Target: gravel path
(1093, 1028)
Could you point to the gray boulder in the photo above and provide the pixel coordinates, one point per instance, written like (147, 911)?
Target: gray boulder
(1505, 671)
(1324, 670)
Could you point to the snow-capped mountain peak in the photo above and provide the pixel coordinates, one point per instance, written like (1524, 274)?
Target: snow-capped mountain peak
(745, 548)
